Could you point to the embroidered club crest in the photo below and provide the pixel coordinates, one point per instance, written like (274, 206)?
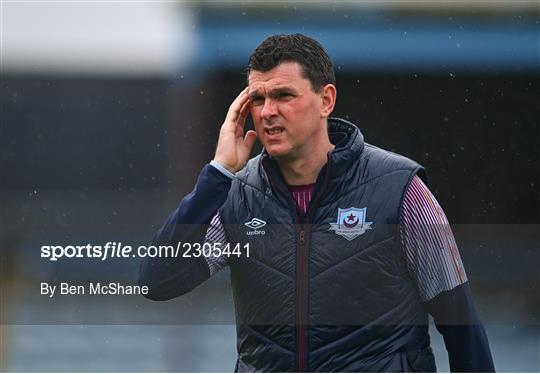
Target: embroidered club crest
(351, 222)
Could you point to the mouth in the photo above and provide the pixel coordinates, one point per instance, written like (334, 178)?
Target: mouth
(274, 131)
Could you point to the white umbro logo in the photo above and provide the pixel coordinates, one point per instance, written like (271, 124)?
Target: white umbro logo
(255, 224)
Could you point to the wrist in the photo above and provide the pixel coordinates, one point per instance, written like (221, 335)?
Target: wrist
(222, 168)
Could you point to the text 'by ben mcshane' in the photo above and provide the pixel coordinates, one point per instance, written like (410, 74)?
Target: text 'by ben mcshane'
(93, 288)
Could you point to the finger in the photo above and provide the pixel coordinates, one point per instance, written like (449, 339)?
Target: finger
(236, 106)
(241, 121)
(239, 131)
(249, 140)
(240, 106)
(244, 111)
(233, 115)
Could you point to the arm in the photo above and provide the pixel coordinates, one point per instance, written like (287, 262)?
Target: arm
(435, 265)
(464, 336)
(171, 277)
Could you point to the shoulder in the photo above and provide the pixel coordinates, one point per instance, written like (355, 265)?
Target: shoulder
(387, 160)
(249, 170)
(378, 162)
(250, 175)
(247, 187)
(249, 178)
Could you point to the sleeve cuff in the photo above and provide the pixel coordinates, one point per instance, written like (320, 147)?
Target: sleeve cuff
(222, 169)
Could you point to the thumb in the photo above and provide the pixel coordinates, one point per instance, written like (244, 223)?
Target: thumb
(249, 139)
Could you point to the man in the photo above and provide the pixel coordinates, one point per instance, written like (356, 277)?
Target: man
(348, 249)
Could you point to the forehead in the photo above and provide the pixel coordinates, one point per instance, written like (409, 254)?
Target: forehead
(285, 74)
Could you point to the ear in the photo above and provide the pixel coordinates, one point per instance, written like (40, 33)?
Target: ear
(328, 97)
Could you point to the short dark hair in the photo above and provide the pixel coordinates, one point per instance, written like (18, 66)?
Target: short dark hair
(309, 53)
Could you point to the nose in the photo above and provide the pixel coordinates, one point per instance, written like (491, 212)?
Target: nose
(269, 109)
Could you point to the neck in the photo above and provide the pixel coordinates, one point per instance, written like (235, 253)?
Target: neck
(305, 169)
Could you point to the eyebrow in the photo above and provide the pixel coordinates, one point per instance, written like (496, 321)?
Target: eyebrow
(274, 92)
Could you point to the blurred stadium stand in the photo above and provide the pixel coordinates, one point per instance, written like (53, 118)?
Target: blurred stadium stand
(109, 110)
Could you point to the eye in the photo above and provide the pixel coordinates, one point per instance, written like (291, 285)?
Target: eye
(284, 95)
(257, 100)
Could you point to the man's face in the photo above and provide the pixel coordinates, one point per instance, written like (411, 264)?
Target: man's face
(285, 110)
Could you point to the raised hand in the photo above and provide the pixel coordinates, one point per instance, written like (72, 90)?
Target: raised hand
(233, 148)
